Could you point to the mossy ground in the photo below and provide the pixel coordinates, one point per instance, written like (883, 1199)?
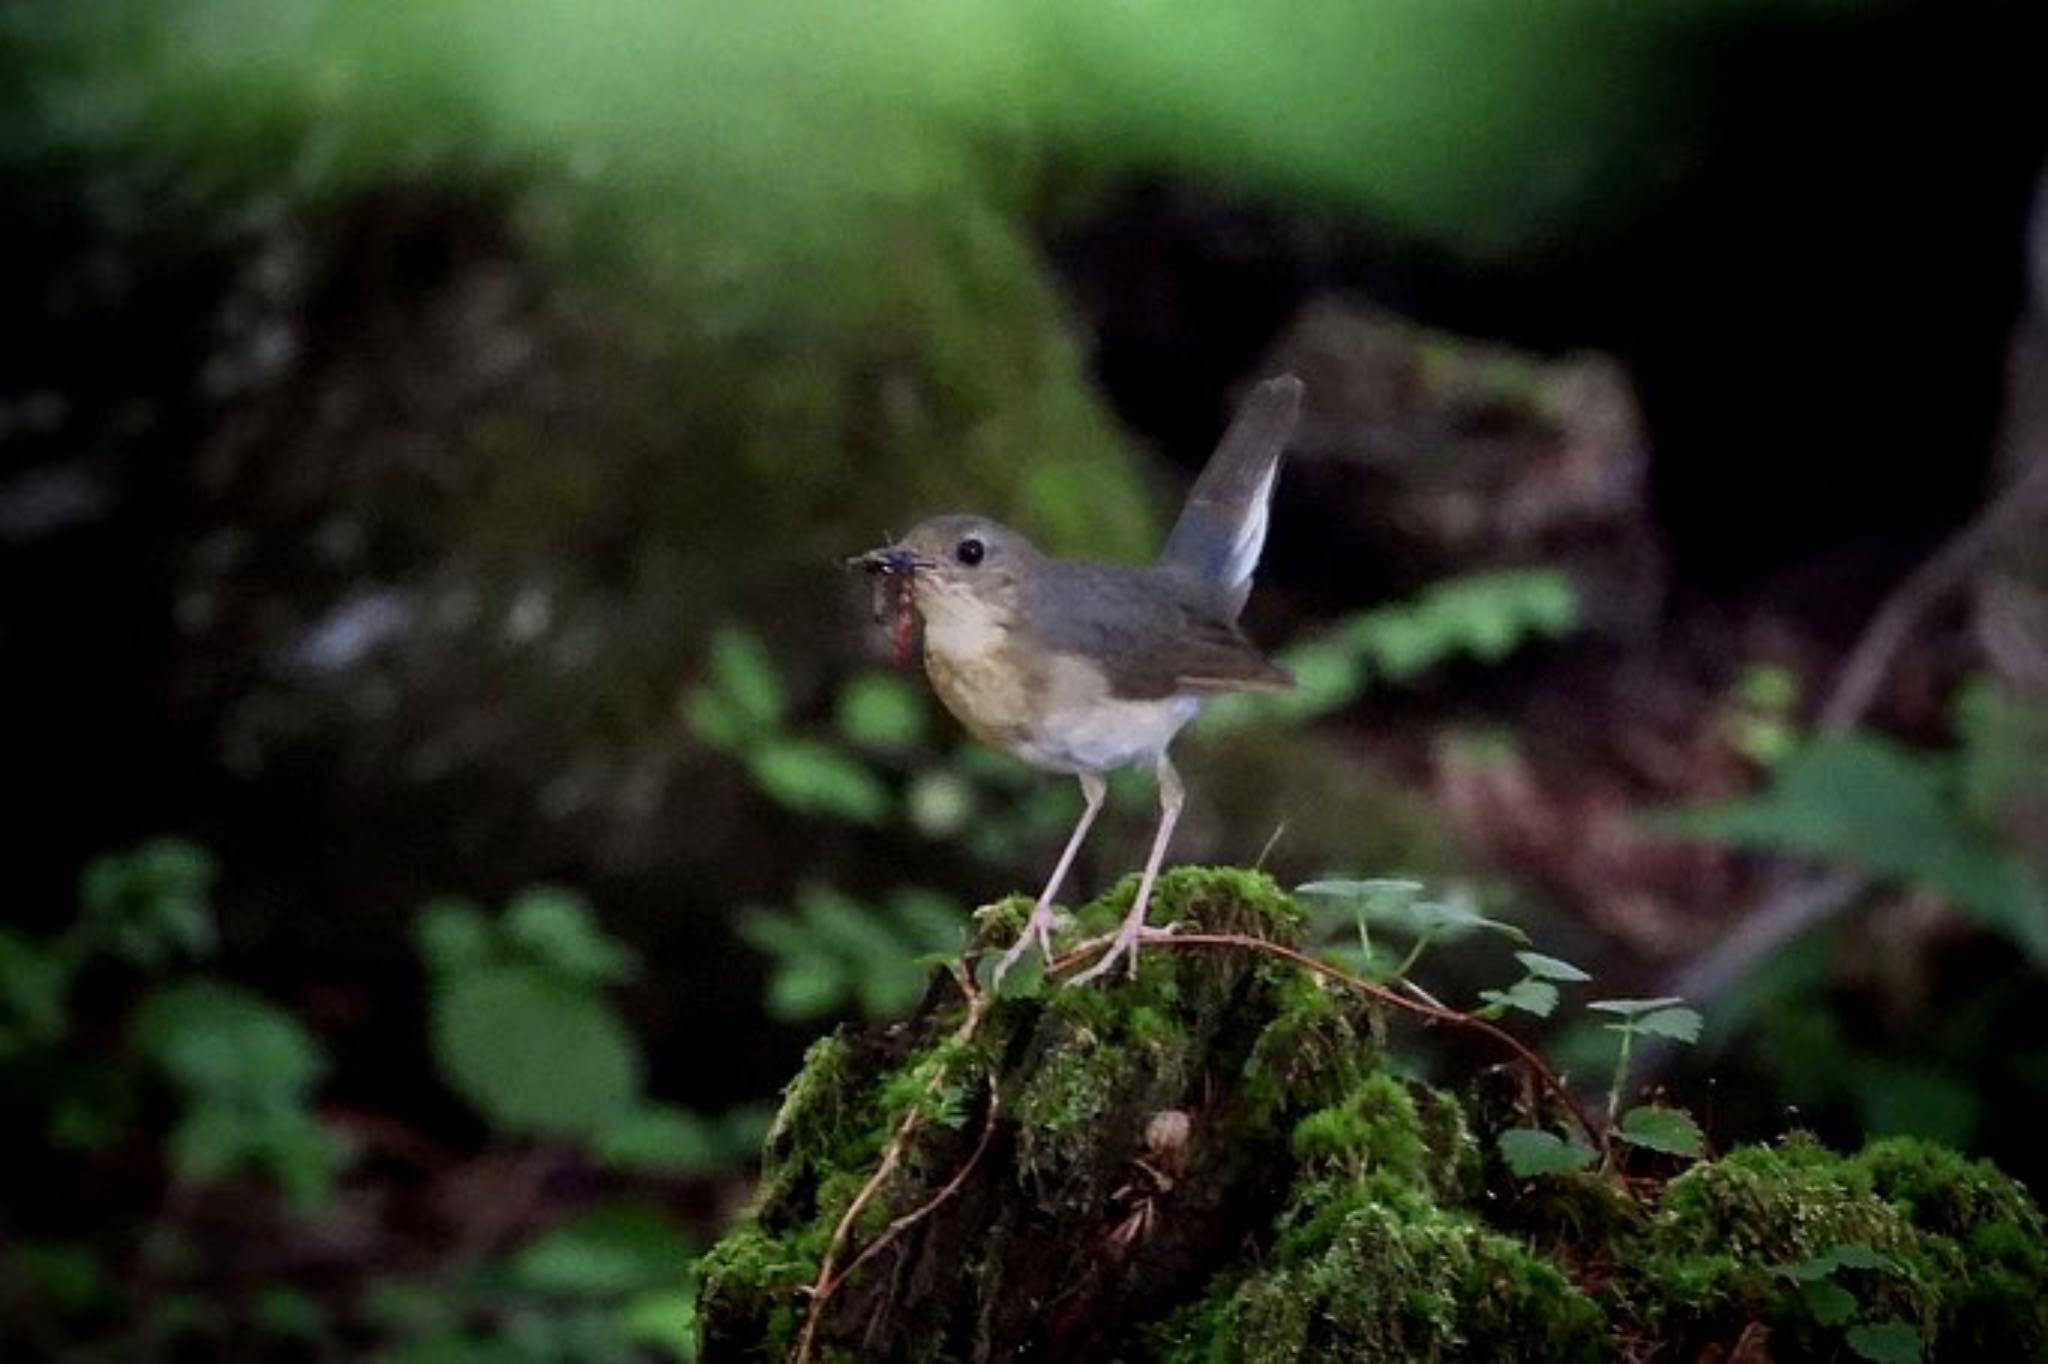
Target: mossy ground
(1317, 1207)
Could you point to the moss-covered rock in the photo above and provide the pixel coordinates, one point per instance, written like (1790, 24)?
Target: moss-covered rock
(1212, 1163)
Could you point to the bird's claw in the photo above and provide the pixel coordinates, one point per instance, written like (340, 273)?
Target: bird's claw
(1037, 928)
(1123, 946)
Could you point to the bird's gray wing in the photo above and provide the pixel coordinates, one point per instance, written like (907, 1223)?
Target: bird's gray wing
(1149, 633)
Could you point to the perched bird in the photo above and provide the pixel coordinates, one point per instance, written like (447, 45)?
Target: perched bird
(1082, 667)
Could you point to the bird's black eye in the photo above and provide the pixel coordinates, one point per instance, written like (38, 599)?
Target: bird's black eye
(970, 551)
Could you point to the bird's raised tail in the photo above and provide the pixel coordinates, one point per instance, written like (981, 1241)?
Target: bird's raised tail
(1223, 526)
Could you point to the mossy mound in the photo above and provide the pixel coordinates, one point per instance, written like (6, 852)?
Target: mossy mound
(1212, 1163)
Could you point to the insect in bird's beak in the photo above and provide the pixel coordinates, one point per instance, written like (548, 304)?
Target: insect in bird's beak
(890, 561)
(891, 568)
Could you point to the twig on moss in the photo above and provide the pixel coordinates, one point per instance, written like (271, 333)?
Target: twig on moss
(827, 1281)
(1435, 1013)
(937, 1200)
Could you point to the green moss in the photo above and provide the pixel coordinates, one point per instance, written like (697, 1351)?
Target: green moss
(822, 1150)
(753, 1277)
(1374, 1259)
(1941, 1191)
(815, 1105)
(1311, 1051)
(1379, 1241)
(1104, 1058)
(1003, 920)
(1963, 1250)
(1405, 1284)
(1777, 1204)
(1983, 1247)
(1374, 1135)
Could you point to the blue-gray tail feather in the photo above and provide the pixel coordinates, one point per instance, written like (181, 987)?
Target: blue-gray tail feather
(1222, 528)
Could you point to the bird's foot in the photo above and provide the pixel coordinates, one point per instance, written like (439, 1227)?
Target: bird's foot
(1123, 946)
(1037, 928)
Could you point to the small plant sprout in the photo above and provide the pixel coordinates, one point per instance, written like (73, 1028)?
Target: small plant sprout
(1398, 907)
(1668, 1130)
(1536, 992)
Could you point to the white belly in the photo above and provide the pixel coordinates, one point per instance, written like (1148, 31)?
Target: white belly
(1101, 733)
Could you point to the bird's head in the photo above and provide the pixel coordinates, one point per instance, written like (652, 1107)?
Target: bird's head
(967, 573)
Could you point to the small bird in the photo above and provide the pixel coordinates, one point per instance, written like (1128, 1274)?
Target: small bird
(1082, 667)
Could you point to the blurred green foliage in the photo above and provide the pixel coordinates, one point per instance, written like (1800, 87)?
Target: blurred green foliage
(1927, 820)
(523, 1029)
(221, 1086)
(238, 1071)
(1897, 813)
(832, 951)
(1483, 617)
(797, 118)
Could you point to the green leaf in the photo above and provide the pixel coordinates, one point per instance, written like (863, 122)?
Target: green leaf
(882, 712)
(1805, 1271)
(1538, 997)
(745, 676)
(1327, 677)
(929, 919)
(716, 721)
(664, 1321)
(1368, 891)
(1870, 803)
(662, 1139)
(1452, 917)
(215, 1139)
(1862, 1257)
(1767, 687)
(221, 1043)
(149, 906)
(1680, 1025)
(452, 935)
(288, 1314)
(68, 1275)
(1530, 1152)
(605, 1253)
(34, 981)
(1829, 1302)
(556, 930)
(532, 1053)
(1670, 1130)
(1550, 968)
(1630, 1008)
(807, 987)
(1889, 1342)
(810, 778)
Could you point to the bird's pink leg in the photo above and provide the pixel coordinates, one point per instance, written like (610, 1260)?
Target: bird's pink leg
(1039, 925)
(1124, 946)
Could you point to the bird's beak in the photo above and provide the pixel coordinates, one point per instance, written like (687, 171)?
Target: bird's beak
(890, 560)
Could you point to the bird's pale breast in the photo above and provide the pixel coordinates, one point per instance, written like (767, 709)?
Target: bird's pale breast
(1054, 711)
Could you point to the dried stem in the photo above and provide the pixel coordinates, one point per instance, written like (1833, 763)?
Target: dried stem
(827, 1282)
